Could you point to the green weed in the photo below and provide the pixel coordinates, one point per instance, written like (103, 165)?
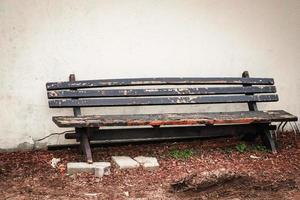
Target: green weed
(242, 147)
(181, 154)
(261, 148)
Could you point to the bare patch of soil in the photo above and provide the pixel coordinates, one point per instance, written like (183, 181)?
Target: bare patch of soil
(29, 175)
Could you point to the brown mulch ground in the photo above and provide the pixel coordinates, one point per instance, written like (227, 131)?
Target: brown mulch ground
(29, 175)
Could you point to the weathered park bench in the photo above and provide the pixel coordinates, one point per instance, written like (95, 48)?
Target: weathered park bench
(76, 94)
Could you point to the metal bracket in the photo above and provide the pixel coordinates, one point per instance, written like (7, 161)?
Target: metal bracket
(281, 125)
(295, 128)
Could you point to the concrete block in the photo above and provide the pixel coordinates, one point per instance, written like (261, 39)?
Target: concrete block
(77, 167)
(149, 163)
(105, 166)
(40, 145)
(99, 172)
(125, 162)
(25, 146)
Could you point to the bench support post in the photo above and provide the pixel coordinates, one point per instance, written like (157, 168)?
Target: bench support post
(85, 143)
(267, 139)
(252, 106)
(82, 132)
(264, 133)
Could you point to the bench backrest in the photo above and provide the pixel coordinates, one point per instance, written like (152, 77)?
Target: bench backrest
(117, 92)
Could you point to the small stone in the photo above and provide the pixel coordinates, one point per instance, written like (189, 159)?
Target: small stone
(254, 157)
(125, 162)
(71, 175)
(54, 162)
(91, 194)
(149, 163)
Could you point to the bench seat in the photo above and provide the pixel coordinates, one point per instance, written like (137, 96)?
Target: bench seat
(212, 118)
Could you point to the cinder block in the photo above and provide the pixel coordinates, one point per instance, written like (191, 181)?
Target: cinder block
(149, 163)
(99, 172)
(105, 166)
(125, 162)
(77, 167)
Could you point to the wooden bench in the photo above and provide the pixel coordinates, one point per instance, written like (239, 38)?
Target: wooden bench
(123, 92)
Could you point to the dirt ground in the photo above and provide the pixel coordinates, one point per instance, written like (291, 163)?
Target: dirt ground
(29, 175)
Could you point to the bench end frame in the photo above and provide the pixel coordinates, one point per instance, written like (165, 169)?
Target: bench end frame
(265, 133)
(82, 133)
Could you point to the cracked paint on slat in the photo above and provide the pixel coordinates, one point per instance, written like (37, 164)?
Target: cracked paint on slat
(243, 117)
(100, 102)
(159, 92)
(157, 81)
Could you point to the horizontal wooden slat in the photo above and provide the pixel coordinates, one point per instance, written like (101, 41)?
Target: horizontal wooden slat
(241, 117)
(156, 81)
(56, 103)
(159, 92)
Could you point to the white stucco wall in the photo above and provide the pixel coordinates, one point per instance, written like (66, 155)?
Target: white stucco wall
(44, 41)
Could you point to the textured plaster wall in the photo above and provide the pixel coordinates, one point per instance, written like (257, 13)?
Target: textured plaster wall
(44, 41)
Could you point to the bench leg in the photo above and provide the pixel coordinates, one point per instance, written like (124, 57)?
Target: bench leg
(268, 140)
(85, 145)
